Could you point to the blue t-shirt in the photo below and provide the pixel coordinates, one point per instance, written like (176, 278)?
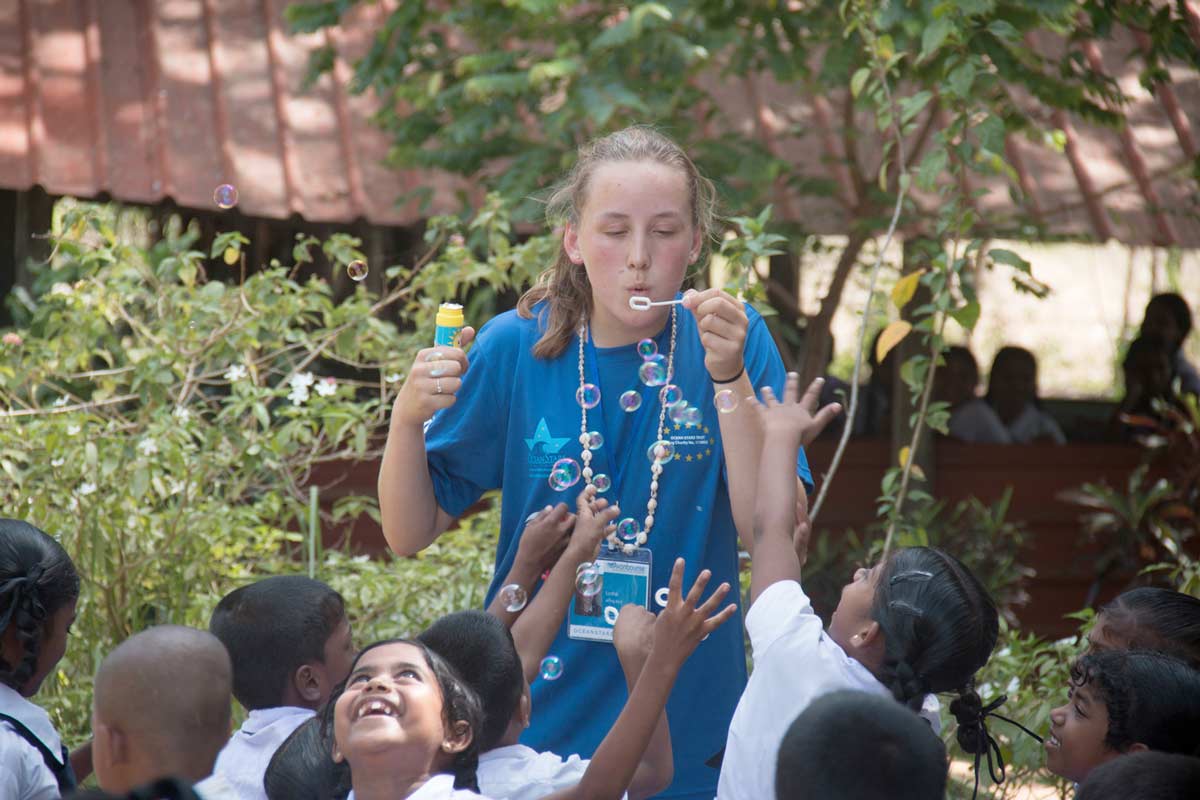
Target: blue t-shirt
(514, 417)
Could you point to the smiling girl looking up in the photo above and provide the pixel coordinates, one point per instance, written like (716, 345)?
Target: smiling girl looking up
(635, 215)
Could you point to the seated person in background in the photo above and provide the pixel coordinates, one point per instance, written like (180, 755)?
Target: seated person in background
(1150, 618)
(1147, 373)
(971, 419)
(1168, 317)
(1013, 394)
(1144, 776)
(303, 767)
(290, 645)
(1123, 701)
(161, 708)
(825, 750)
(834, 390)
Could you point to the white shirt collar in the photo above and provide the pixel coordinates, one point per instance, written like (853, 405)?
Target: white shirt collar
(261, 718)
(508, 751)
(32, 716)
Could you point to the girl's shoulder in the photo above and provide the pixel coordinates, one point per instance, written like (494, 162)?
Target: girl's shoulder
(23, 771)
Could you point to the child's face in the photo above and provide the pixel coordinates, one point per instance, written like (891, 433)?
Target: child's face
(853, 612)
(1076, 745)
(339, 654)
(392, 707)
(53, 645)
(1013, 386)
(634, 237)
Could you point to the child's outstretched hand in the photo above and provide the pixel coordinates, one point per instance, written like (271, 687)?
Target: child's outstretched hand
(791, 418)
(683, 624)
(545, 537)
(593, 521)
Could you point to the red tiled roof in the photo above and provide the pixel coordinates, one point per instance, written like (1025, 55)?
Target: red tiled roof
(150, 99)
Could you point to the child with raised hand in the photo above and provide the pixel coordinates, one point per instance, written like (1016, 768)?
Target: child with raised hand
(917, 623)
(542, 540)
(1150, 618)
(1123, 701)
(407, 725)
(39, 588)
(635, 756)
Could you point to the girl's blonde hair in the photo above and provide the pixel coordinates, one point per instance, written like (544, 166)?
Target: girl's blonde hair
(565, 286)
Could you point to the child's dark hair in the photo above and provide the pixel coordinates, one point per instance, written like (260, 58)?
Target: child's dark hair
(824, 751)
(1152, 699)
(271, 628)
(459, 704)
(481, 650)
(1150, 618)
(1177, 307)
(161, 789)
(303, 767)
(37, 578)
(1143, 776)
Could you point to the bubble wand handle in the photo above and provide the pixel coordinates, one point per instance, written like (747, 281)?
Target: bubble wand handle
(639, 303)
(449, 325)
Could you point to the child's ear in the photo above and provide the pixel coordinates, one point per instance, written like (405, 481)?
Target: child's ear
(525, 708)
(869, 635)
(458, 738)
(114, 749)
(309, 683)
(571, 243)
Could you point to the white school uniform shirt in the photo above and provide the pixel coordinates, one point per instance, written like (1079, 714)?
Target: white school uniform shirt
(517, 772)
(216, 787)
(1033, 423)
(975, 421)
(23, 773)
(243, 761)
(795, 662)
(439, 787)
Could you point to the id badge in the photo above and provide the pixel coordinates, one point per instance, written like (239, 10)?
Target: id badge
(623, 579)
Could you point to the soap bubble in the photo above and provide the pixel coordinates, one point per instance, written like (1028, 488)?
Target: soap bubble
(726, 401)
(513, 598)
(661, 597)
(602, 483)
(670, 394)
(588, 395)
(595, 440)
(610, 615)
(692, 417)
(564, 474)
(661, 451)
(647, 348)
(652, 373)
(552, 668)
(588, 582)
(631, 401)
(627, 529)
(357, 270)
(678, 412)
(583, 566)
(225, 196)
(657, 358)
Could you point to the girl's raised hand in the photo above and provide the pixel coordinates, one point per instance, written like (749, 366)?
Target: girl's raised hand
(683, 624)
(433, 379)
(545, 537)
(799, 419)
(593, 521)
(722, 321)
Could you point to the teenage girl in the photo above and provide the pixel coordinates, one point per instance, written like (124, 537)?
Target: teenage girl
(38, 591)
(635, 214)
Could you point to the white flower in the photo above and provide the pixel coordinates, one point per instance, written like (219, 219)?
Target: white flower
(72, 504)
(298, 395)
(60, 402)
(235, 373)
(58, 462)
(393, 378)
(73, 429)
(182, 414)
(147, 447)
(301, 380)
(63, 289)
(327, 387)
(85, 489)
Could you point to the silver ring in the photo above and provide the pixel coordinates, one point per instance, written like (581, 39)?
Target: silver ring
(437, 382)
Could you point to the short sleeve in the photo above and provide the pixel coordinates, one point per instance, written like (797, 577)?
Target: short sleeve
(464, 444)
(23, 773)
(765, 368)
(782, 608)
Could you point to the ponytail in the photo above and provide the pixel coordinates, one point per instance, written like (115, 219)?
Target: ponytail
(970, 714)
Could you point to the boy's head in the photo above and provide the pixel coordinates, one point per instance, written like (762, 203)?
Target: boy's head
(289, 641)
(1144, 776)
(1120, 702)
(161, 707)
(860, 745)
(481, 650)
(1150, 618)
(920, 621)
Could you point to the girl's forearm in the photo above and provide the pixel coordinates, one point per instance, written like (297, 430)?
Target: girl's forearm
(741, 440)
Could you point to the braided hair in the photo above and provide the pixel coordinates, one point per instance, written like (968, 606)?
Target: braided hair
(37, 578)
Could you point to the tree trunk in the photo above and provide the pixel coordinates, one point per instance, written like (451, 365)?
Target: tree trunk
(817, 335)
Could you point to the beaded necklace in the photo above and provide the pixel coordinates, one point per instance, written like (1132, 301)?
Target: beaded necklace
(656, 468)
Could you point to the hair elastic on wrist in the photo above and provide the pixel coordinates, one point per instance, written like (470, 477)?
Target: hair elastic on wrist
(740, 373)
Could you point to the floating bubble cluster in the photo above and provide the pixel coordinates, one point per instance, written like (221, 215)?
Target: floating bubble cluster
(225, 196)
(564, 474)
(552, 668)
(588, 395)
(652, 373)
(627, 529)
(513, 598)
(726, 401)
(357, 270)
(661, 451)
(647, 348)
(631, 401)
(602, 483)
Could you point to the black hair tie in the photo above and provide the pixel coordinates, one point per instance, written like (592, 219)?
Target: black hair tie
(15, 592)
(973, 735)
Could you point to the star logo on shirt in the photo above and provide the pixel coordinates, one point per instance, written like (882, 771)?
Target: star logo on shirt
(550, 444)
